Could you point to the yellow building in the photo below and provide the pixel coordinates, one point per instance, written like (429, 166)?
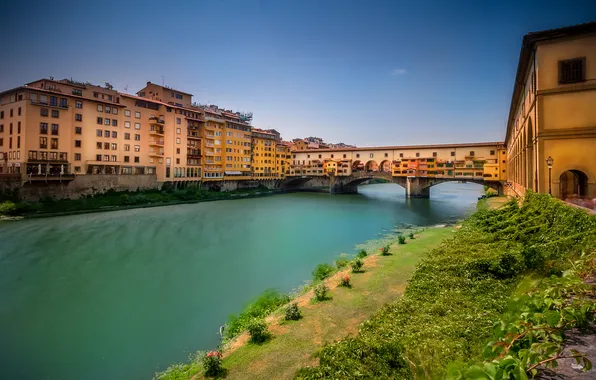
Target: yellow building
(283, 158)
(552, 114)
(266, 158)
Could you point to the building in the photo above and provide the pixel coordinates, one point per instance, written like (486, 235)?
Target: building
(552, 114)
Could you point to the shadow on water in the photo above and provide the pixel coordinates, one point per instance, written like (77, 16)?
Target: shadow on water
(123, 294)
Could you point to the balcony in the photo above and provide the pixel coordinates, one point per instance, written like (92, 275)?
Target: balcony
(156, 153)
(156, 142)
(156, 121)
(215, 119)
(209, 144)
(193, 135)
(193, 153)
(156, 131)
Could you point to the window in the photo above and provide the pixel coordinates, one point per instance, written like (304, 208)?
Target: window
(55, 113)
(106, 133)
(77, 169)
(77, 143)
(1, 142)
(114, 134)
(472, 153)
(344, 156)
(79, 117)
(43, 128)
(77, 157)
(99, 133)
(99, 108)
(138, 115)
(53, 101)
(177, 150)
(106, 157)
(177, 140)
(113, 158)
(127, 124)
(417, 154)
(137, 159)
(78, 130)
(452, 154)
(63, 103)
(492, 152)
(137, 125)
(55, 129)
(54, 144)
(114, 146)
(137, 137)
(77, 92)
(572, 70)
(178, 121)
(108, 109)
(178, 161)
(357, 155)
(127, 113)
(19, 111)
(331, 156)
(98, 157)
(106, 121)
(126, 147)
(114, 123)
(115, 111)
(434, 154)
(401, 155)
(137, 148)
(106, 146)
(98, 145)
(177, 131)
(127, 136)
(126, 158)
(99, 120)
(18, 145)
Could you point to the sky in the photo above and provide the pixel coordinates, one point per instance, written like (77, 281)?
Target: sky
(360, 72)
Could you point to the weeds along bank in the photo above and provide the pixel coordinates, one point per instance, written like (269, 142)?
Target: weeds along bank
(458, 298)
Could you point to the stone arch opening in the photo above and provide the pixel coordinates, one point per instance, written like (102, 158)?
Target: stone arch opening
(385, 166)
(372, 166)
(357, 166)
(573, 184)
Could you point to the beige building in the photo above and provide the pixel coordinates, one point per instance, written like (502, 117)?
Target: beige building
(553, 114)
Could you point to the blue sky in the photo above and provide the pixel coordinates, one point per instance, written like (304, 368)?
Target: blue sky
(361, 72)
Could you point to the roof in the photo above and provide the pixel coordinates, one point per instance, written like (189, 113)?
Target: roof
(165, 88)
(396, 147)
(527, 48)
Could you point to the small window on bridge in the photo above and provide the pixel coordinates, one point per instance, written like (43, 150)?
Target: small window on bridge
(401, 155)
(308, 156)
(434, 154)
(344, 156)
(492, 152)
(319, 156)
(417, 154)
(452, 154)
(331, 156)
(471, 153)
(357, 155)
(372, 155)
(386, 154)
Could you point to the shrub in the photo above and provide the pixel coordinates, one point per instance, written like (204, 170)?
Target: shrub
(342, 261)
(345, 281)
(401, 239)
(259, 308)
(7, 208)
(212, 364)
(384, 250)
(321, 292)
(322, 271)
(362, 254)
(292, 312)
(357, 266)
(257, 328)
(411, 235)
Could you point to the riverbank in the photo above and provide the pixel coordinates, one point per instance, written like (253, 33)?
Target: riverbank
(115, 201)
(498, 266)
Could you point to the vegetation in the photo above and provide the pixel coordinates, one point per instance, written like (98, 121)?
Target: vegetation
(182, 371)
(321, 292)
(357, 265)
(292, 312)
(411, 235)
(257, 329)
(342, 261)
(401, 239)
(362, 254)
(212, 364)
(262, 306)
(322, 271)
(118, 199)
(459, 295)
(345, 281)
(385, 250)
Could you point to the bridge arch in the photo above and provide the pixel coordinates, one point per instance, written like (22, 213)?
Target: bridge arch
(372, 166)
(357, 166)
(385, 166)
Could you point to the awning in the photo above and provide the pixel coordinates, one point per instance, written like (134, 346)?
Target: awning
(233, 173)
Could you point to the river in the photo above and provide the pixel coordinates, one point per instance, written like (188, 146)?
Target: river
(120, 295)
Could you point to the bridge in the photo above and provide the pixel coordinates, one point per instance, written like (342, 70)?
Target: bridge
(416, 168)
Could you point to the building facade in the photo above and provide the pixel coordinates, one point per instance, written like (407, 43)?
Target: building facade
(552, 114)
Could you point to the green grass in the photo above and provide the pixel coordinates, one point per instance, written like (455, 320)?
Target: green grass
(292, 344)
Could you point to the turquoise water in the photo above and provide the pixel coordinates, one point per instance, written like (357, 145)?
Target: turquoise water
(120, 295)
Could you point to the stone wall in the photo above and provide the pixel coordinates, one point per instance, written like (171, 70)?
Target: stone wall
(86, 185)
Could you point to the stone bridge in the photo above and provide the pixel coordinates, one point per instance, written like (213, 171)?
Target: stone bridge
(416, 187)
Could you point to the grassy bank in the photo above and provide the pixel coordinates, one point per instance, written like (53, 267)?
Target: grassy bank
(114, 200)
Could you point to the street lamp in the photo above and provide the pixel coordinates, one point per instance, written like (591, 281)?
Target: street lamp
(549, 163)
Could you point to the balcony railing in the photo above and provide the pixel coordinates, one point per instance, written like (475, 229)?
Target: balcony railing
(156, 131)
(156, 120)
(156, 142)
(156, 153)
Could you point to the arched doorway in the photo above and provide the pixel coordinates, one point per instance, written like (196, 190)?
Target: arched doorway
(386, 166)
(372, 166)
(357, 166)
(573, 183)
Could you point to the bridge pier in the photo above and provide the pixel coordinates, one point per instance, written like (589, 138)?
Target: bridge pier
(418, 187)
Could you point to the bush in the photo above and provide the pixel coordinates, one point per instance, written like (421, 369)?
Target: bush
(321, 292)
(262, 306)
(342, 261)
(212, 364)
(7, 208)
(345, 281)
(357, 266)
(322, 271)
(401, 239)
(257, 328)
(362, 254)
(292, 312)
(411, 235)
(384, 250)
